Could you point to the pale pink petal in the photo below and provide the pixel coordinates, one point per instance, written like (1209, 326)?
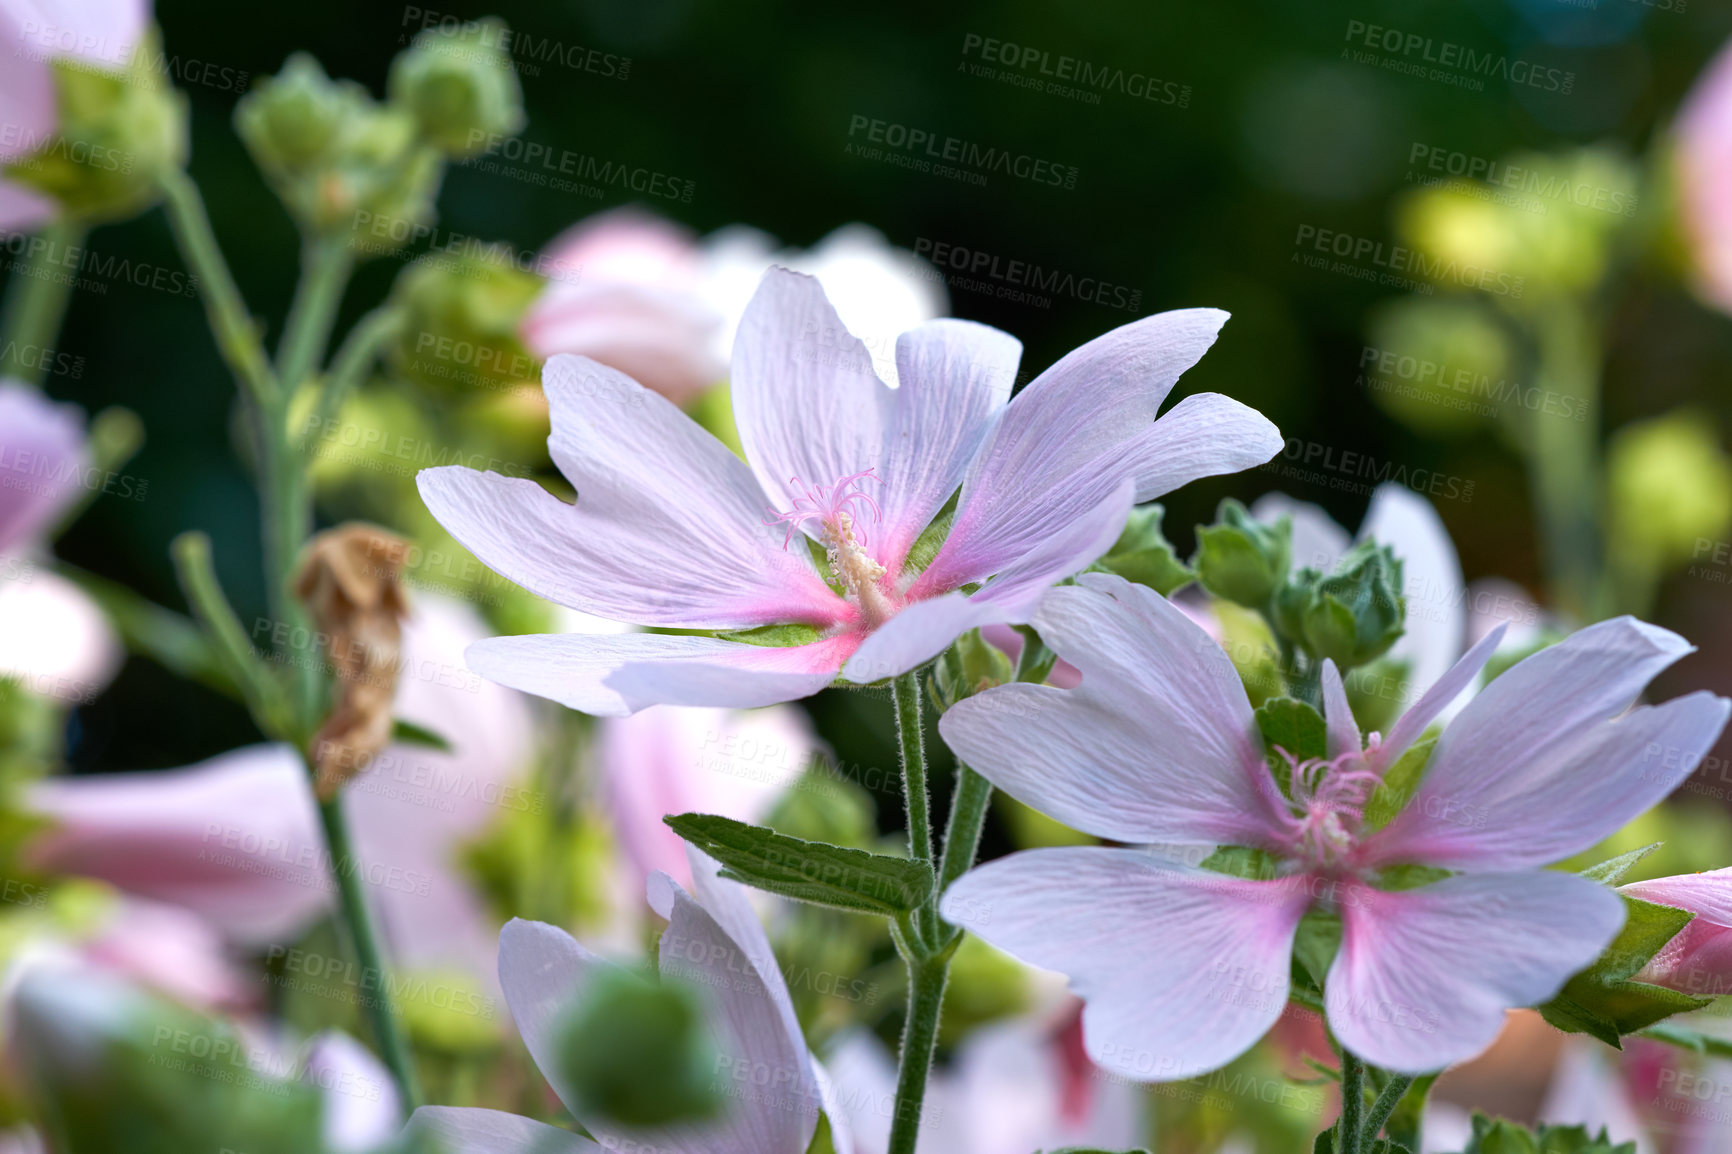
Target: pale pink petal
(612, 676)
(864, 1073)
(660, 338)
(956, 377)
(1587, 1090)
(671, 760)
(809, 408)
(1425, 976)
(1182, 970)
(1704, 170)
(27, 95)
(1064, 443)
(1435, 701)
(1436, 621)
(463, 1130)
(362, 1108)
(1699, 959)
(1318, 542)
(917, 634)
(101, 32)
(173, 950)
(1015, 1089)
(1205, 435)
(668, 528)
(54, 639)
(1342, 730)
(42, 462)
(544, 971)
(1158, 744)
(235, 839)
(21, 209)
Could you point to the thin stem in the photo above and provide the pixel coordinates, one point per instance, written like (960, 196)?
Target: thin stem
(962, 832)
(1383, 1107)
(1563, 459)
(326, 263)
(364, 940)
(905, 694)
(36, 302)
(926, 982)
(371, 334)
(170, 639)
(261, 690)
(1352, 1104)
(237, 334)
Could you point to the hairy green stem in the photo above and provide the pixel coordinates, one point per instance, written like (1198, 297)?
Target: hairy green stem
(1390, 1097)
(926, 981)
(1352, 1103)
(962, 832)
(364, 941)
(36, 301)
(905, 695)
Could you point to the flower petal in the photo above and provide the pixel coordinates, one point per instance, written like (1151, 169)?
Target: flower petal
(1413, 723)
(616, 675)
(42, 462)
(956, 377)
(1342, 730)
(1156, 745)
(1182, 970)
(543, 971)
(362, 1107)
(1699, 959)
(667, 528)
(1436, 622)
(806, 400)
(465, 1130)
(1205, 435)
(1064, 443)
(1424, 976)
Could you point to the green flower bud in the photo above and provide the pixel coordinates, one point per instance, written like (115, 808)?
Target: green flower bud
(294, 123)
(1670, 488)
(464, 311)
(1443, 365)
(459, 85)
(1290, 602)
(1356, 613)
(117, 133)
(1241, 559)
(970, 666)
(636, 1053)
(1144, 555)
(460, 1020)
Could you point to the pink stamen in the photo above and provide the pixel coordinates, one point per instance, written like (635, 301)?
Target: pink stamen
(845, 496)
(1329, 800)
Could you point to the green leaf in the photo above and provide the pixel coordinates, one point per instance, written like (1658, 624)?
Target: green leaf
(1409, 876)
(1156, 567)
(1612, 870)
(1398, 784)
(808, 871)
(1316, 943)
(1501, 1136)
(408, 733)
(1241, 862)
(775, 636)
(1603, 1001)
(1295, 727)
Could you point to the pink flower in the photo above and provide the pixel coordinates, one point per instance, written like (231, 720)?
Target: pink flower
(32, 35)
(713, 940)
(671, 529)
(1699, 960)
(1704, 172)
(1181, 968)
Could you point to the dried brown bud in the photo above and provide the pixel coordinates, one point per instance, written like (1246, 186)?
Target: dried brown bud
(350, 581)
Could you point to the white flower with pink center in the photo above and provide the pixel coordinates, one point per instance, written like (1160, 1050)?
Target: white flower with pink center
(672, 530)
(1182, 968)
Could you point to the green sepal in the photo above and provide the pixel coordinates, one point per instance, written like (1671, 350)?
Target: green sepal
(1612, 870)
(1294, 726)
(408, 733)
(1143, 555)
(1315, 945)
(1398, 784)
(808, 871)
(930, 541)
(1603, 1001)
(775, 636)
(1501, 1136)
(1241, 862)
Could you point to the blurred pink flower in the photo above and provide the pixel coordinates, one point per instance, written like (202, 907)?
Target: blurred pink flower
(237, 838)
(1158, 745)
(670, 760)
(1699, 960)
(1704, 174)
(714, 941)
(32, 36)
(672, 529)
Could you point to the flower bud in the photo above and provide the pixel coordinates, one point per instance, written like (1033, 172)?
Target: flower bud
(972, 665)
(293, 123)
(1670, 488)
(1289, 603)
(1241, 559)
(1356, 613)
(1144, 555)
(636, 1053)
(117, 132)
(459, 85)
(464, 310)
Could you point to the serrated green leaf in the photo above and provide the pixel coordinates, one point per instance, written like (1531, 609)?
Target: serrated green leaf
(1398, 785)
(775, 636)
(808, 871)
(1612, 870)
(408, 733)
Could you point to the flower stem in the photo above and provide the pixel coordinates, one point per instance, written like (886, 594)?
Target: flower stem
(1383, 1107)
(325, 266)
(927, 978)
(36, 302)
(1563, 459)
(364, 941)
(962, 832)
(235, 654)
(905, 694)
(1352, 1104)
(353, 358)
